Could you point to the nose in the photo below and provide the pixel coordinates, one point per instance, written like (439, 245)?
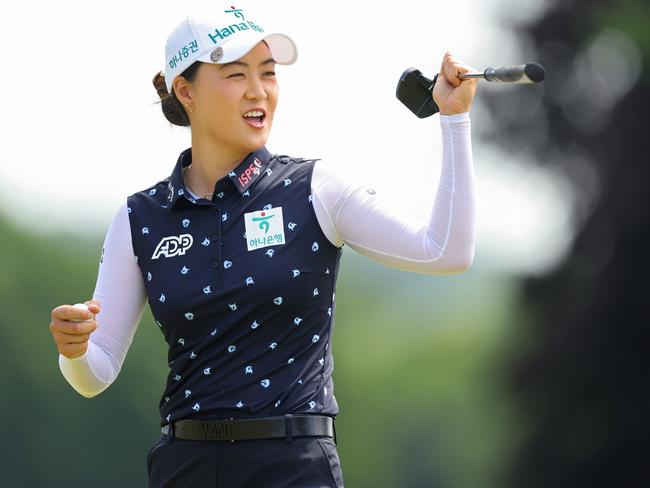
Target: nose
(255, 89)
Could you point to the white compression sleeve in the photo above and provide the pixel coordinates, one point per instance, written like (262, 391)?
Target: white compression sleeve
(346, 213)
(445, 245)
(121, 294)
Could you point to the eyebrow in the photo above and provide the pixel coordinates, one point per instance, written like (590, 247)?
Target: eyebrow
(241, 63)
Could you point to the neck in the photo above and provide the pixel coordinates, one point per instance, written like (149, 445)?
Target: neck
(210, 163)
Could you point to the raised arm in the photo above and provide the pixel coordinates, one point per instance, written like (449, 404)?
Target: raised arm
(121, 295)
(352, 213)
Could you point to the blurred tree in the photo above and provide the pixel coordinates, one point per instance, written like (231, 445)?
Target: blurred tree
(580, 382)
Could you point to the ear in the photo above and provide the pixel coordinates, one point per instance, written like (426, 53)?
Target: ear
(182, 89)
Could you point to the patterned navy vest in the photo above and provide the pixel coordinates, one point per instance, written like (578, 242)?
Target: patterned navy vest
(243, 289)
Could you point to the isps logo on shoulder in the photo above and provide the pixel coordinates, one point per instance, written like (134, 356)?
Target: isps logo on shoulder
(171, 246)
(264, 228)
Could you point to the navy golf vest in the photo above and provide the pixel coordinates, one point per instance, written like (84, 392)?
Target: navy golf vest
(243, 289)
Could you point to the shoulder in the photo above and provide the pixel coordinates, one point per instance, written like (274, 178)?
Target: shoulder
(159, 194)
(332, 179)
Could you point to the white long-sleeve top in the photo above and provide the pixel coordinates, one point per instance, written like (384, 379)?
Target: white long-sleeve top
(348, 212)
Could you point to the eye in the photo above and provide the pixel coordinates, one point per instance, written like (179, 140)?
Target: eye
(270, 73)
(236, 74)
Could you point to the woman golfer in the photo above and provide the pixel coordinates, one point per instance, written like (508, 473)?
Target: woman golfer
(237, 255)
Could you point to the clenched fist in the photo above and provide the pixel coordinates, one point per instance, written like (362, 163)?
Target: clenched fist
(451, 94)
(71, 327)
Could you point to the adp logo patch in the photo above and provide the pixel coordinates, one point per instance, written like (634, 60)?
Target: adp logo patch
(264, 228)
(171, 246)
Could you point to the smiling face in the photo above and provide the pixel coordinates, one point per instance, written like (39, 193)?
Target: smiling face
(221, 94)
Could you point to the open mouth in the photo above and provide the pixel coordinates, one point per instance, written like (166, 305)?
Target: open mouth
(255, 118)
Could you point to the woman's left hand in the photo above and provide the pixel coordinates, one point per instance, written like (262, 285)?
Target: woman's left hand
(451, 94)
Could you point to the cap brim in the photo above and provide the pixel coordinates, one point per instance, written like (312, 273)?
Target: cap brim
(282, 47)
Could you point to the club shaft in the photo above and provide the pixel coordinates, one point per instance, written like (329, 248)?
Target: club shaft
(470, 75)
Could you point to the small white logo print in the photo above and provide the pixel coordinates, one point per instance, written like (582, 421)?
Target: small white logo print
(181, 341)
(315, 292)
(162, 297)
(193, 355)
(232, 174)
(231, 348)
(189, 316)
(314, 246)
(287, 182)
(148, 276)
(315, 338)
(239, 404)
(186, 223)
(295, 272)
(159, 324)
(270, 253)
(187, 393)
(277, 300)
(249, 281)
(220, 194)
(168, 417)
(291, 225)
(321, 361)
(327, 271)
(269, 171)
(152, 192)
(196, 407)
(297, 320)
(166, 399)
(254, 325)
(207, 289)
(128, 209)
(224, 217)
(171, 246)
(329, 311)
(145, 230)
(312, 404)
(268, 206)
(206, 242)
(265, 382)
(277, 403)
(300, 381)
(213, 332)
(290, 361)
(180, 192)
(310, 198)
(227, 264)
(177, 377)
(273, 345)
(206, 371)
(249, 370)
(247, 193)
(184, 270)
(233, 306)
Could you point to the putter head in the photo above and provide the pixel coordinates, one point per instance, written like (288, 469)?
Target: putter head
(415, 91)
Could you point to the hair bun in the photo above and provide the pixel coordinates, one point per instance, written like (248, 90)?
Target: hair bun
(159, 84)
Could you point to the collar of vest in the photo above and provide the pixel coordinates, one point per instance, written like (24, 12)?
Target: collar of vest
(243, 177)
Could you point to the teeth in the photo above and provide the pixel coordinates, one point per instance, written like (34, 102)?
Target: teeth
(254, 113)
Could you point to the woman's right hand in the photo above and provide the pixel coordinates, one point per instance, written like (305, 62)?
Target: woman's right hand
(71, 328)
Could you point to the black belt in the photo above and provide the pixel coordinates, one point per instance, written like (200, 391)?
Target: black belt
(285, 426)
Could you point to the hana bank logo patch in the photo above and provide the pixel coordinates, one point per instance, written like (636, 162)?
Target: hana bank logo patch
(171, 246)
(264, 228)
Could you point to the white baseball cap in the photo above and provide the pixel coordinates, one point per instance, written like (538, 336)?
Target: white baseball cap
(218, 37)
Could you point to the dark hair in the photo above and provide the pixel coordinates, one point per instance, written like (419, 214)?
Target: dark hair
(172, 108)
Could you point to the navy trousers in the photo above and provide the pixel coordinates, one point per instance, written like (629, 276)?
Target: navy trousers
(305, 462)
